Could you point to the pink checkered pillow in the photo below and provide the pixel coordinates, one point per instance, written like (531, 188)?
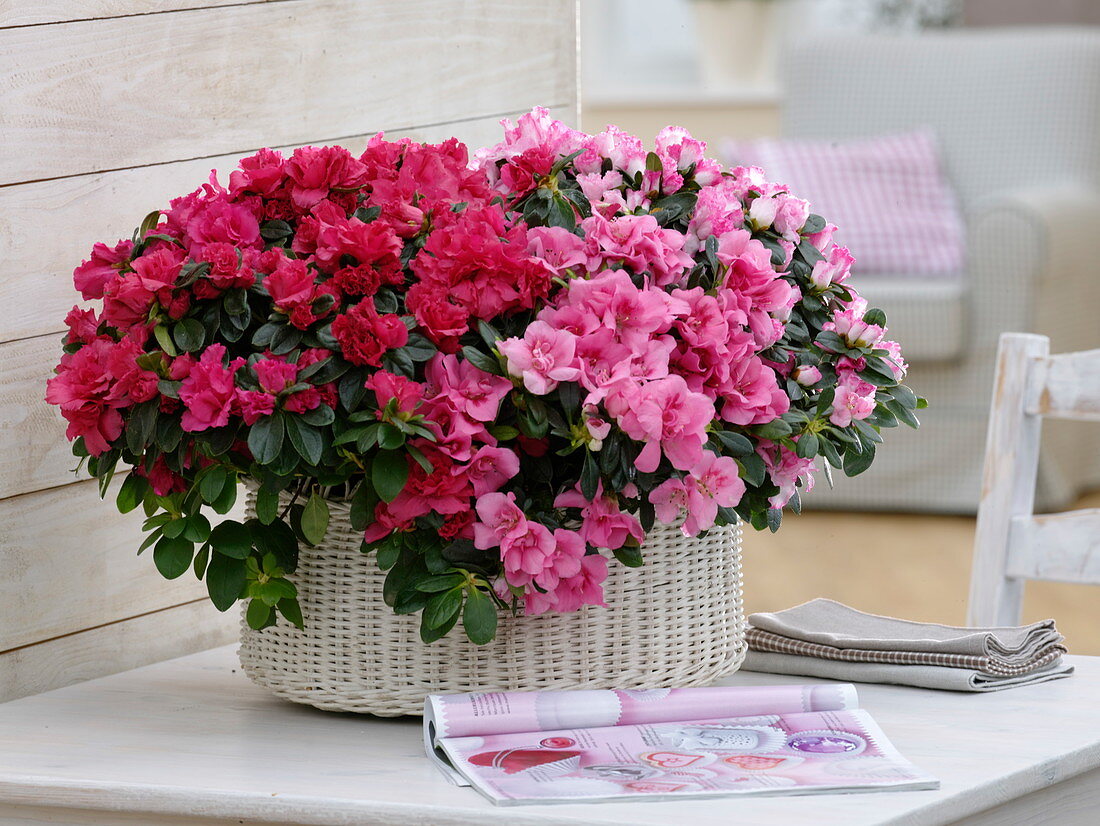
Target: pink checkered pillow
(895, 210)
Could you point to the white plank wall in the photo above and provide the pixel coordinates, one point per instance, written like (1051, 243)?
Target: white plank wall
(96, 134)
(23, 13)
(219, 80)
(73, 564)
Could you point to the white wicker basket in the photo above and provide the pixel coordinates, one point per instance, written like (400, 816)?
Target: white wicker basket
(677, 621)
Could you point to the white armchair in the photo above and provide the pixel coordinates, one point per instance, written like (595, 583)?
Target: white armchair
(1017, 112)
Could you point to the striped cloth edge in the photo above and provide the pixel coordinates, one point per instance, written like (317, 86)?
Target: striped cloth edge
(777, 644)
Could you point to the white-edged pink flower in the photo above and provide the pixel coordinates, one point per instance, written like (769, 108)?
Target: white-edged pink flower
(542, 358)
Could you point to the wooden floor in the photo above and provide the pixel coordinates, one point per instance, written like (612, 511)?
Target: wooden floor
(903, 565)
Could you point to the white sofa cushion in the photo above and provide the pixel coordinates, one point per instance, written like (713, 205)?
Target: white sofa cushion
(927, 315)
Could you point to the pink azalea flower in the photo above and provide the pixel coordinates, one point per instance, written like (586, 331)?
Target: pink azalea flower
(586, 588)
(101, 268)
(542, 358)
(527, 553)
(472, 391)
(490, 468)
(849, 325)
(833, 270)
(603, 524)
(498, 517)
(807, 375)
(786, 470)
(208, 393)
(668, 417)
(714, 481)
(854, 399)
(637, 242)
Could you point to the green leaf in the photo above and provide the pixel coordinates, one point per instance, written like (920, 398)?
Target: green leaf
(173, 556)
(196, 528)
(775, 518)
(435, 584)
(430, 635)
(482, 361)
(753, 469)
(306, 440)
(277, 539)
(315, 519)
(388, 552)
(774, 430)
(905, 397)
(132, 492)
(189, 335)
(141, 425)
(231, 539)
(420, 458)
(319, 416)
(202, 559)
(225, 580)
(267, 505)
(488, 332)
(389, 472)
(479, 618)
(258, 614)
(630, 557)
(265, 439)
(590, 476)
(292, 612)
(389, 437)
(213, 481)
(228, 497)
(875, 316)
(175, 528)
(160, 333)
(443, 607)
(807, 445)
(737, 444)
(856, 463)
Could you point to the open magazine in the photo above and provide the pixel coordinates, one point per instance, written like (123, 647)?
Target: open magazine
(567, 746)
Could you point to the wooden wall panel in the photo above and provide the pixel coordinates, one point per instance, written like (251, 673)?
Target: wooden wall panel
(209, 82)
(161, 635)
(39, 12)
(48, 227)
(69, 562)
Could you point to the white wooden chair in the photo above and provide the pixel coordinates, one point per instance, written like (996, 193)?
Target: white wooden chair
(1012, 544)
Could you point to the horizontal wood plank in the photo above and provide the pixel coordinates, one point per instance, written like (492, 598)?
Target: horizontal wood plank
(69, 563)
(1058, 547)
(97, 652)
(34, 453)
(1067, 386)
(47, 228)
(22, 13)
(213, 81)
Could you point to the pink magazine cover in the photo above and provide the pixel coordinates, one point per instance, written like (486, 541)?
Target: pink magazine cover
(618, 745)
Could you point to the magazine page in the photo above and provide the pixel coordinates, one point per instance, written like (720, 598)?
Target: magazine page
(463, 715)
(839, 751)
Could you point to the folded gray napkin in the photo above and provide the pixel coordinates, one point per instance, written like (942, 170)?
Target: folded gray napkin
(824, 638)
(921, 676)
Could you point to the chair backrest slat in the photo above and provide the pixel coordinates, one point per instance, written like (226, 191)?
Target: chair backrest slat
(1067, 386)
(1012, 544)
(1057, 547)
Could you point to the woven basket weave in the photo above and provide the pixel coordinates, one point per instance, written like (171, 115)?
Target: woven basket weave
(677, 621)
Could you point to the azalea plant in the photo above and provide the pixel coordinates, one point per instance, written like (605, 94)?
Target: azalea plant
(510, 366)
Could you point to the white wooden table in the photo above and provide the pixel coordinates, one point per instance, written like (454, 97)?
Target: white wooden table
(192, 741)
